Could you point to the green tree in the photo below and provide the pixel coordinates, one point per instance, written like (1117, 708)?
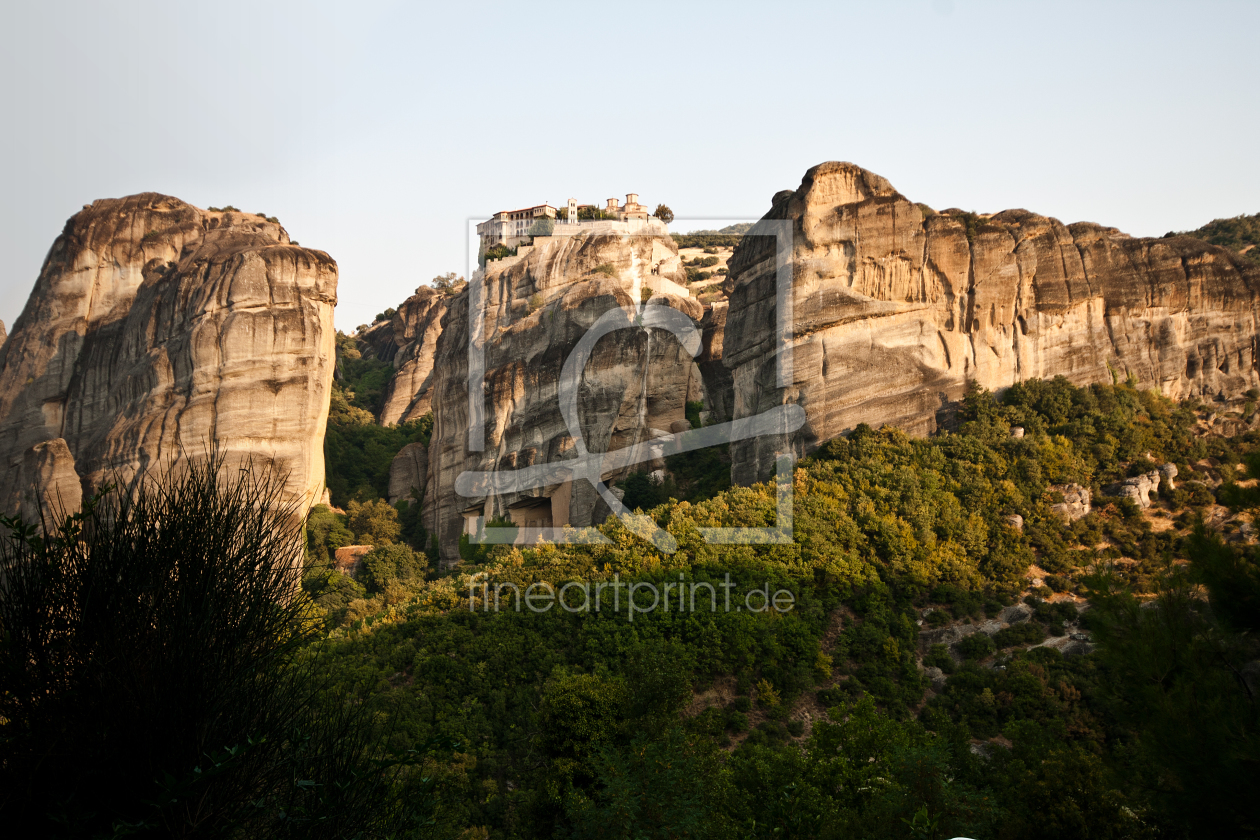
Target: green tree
(1179, 681)
(448, 283)
(663, 213)
(392, 565)
(374, 522)
(543, 226)
(325, 533)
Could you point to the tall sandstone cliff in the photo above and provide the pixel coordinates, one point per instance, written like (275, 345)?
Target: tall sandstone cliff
(537, 309)
(897, 308)
(155, 332)
(408, 341)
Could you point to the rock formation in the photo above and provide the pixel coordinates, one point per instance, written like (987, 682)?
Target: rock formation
(409, 473)
(718, 386)
(1139, 487)
(537, 308)
(412, 347)
(155, 332)
(1076, 502)
(896, 308)
(349, 558)
(3, 334)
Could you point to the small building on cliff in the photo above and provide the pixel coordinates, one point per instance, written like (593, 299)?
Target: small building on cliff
(510, 228)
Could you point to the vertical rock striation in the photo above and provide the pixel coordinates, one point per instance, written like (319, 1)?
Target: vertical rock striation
(156, 331)
(634, 386)
(897, 308)
(412, 348)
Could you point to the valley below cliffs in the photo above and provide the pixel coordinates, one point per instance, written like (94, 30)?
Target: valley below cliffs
(158, 332)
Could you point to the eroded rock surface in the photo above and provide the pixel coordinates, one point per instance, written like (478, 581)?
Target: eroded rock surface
(1077, 501)
(155, 332)
(634, 386)
(409, 473)
(410, 343)
(896, 308)
(1139, 487)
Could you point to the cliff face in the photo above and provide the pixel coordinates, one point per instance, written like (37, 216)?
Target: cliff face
(896, 308)
(537, 309)
(412, 338)
(155, 331)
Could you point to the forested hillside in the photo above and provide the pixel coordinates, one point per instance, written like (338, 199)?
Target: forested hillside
(831, 719)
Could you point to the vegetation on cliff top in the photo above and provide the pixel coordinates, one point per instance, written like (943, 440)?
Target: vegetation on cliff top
(1240, 234)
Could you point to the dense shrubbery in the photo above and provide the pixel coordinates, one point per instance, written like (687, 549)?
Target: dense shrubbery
(889, 531)
(160, 679)
(691, 723)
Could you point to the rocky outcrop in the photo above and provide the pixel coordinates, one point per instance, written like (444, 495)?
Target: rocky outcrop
(896, 308)
(1139, 487)
(48, 468)
(412, 348)
(409, 473)
(1076, 502)
(3, 335)
(157, 331)
(718, 385)
(634, 385)
(349, 558)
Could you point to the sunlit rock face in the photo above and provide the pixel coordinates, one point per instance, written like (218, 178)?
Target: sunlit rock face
(408, 341)
(537, 308)
(157, 332)
(896, 308)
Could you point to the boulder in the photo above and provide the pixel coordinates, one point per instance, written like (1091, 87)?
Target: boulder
(1015, 614)
(409, 473)
(936, 677)
(1137, 488)
(349, 558)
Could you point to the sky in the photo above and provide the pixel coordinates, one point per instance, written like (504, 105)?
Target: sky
(375, 131)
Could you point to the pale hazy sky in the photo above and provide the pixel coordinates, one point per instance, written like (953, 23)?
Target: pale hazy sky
(374, 131)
